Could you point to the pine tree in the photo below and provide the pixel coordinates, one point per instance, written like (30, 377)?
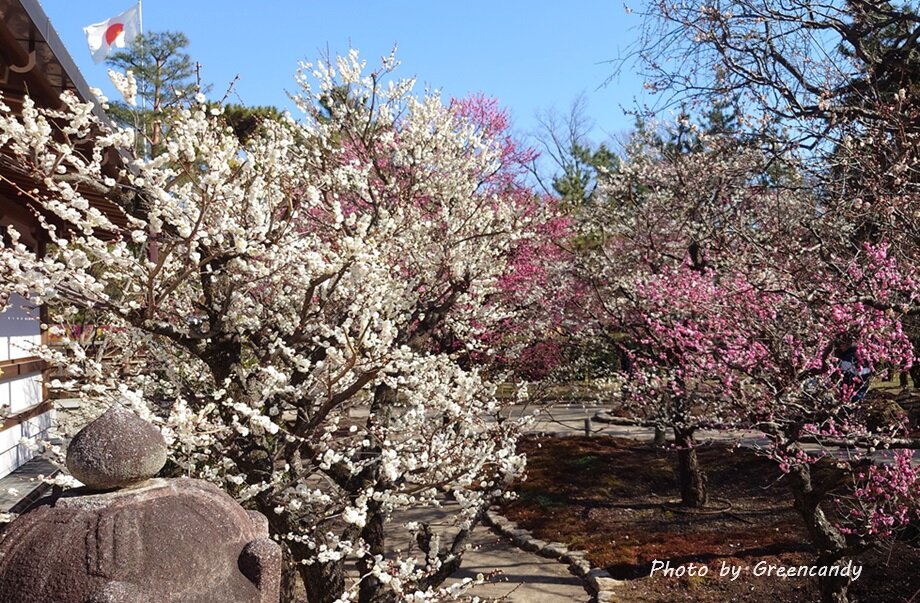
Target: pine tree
(165, 73)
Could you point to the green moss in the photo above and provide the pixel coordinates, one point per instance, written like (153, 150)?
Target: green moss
(544, 500)
(584, 462)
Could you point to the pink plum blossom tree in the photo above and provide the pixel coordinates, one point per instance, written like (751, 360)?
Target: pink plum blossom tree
(740, 300)
(659, 232)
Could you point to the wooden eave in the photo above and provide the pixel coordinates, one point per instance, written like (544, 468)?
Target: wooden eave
(34, 62)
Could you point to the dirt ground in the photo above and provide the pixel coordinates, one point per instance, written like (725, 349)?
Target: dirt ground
(612, 498)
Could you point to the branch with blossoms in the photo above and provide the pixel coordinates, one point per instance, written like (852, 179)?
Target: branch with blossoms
(290, 296)
(883, 499)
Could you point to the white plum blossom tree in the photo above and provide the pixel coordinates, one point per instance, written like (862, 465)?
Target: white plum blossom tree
(282, 308)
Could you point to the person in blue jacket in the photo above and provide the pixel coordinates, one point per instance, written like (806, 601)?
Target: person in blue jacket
(847, 354)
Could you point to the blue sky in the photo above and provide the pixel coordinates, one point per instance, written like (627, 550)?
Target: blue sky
(531, 55)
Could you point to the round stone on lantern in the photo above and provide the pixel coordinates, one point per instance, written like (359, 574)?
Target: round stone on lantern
(117, 449)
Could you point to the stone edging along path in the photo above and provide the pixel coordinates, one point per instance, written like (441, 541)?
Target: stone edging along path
(598, 582)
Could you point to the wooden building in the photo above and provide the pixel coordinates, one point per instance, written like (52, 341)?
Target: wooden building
(33, 62)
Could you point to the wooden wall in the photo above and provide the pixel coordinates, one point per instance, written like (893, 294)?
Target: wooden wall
(25, 412)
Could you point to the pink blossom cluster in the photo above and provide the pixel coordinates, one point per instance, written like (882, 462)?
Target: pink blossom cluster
(883, 498)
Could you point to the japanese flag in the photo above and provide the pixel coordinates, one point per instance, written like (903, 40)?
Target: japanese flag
(117, 32)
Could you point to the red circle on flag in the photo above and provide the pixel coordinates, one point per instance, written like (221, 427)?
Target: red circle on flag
(112, 33)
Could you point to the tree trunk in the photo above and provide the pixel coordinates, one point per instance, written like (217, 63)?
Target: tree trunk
(693, 491)
(288, 576)
(371, 590)
(915, 374)
(324, 582)
(452, 557)
(834, 589)
(661, 436)
(829, 541)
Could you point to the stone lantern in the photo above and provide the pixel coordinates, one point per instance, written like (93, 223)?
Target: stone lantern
(127, 537)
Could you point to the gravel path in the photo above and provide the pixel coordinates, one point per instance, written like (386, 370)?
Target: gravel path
(524, 578)
(520, 576)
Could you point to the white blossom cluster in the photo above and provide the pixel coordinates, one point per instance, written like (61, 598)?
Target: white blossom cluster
(289, 310)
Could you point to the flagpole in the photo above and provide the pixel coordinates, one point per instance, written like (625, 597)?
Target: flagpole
(140, 23)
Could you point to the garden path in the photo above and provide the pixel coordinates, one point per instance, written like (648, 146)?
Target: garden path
(520, 577)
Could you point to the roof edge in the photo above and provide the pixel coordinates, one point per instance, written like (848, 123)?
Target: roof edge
(43, 24)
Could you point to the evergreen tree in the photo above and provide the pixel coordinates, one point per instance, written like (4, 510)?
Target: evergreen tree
(576, 183)
(165, 74)
(245, 121)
